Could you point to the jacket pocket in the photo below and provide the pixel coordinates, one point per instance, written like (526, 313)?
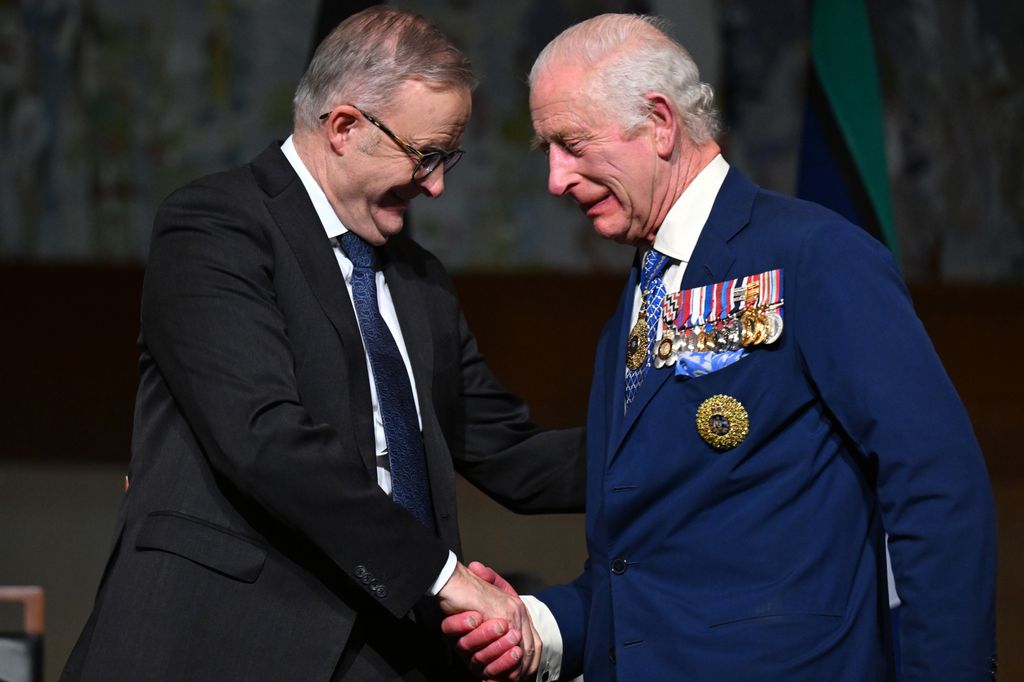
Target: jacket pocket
(777, 617)
(207, 544)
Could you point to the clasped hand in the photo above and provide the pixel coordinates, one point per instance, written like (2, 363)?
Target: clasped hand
(490, 624)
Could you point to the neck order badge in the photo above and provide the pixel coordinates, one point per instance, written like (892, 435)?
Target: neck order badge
(641, 337)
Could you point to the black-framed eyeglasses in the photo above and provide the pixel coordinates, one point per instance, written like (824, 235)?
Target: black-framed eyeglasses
(427, 160)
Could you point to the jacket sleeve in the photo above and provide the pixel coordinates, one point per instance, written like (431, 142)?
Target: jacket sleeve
(877, 371)
(570, 605)
(213, 326)
(502, 452)
(494, 442)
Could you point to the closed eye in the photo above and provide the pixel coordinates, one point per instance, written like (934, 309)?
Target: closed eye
(574, 147)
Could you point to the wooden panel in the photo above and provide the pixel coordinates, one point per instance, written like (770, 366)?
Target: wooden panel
(70, 354)
(69, 371)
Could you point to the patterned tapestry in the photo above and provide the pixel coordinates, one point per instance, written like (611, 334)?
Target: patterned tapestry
(108, 105)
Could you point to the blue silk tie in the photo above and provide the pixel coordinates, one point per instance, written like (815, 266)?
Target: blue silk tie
(409, 483)
(652, 290)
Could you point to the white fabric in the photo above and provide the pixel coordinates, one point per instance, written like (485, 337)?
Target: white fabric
(550, 637)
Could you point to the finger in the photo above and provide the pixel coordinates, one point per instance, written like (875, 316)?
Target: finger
(531, 660)
(494, 650)
(461, 623)
(530, 641)
(506, 666)
(483, 636)
(483, 572)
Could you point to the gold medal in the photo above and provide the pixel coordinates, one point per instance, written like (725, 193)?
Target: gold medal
(722, 422)
(760, 329)
(748, 322)
(636, 344)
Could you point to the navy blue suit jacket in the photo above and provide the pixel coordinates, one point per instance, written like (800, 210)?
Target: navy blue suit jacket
(766, 561)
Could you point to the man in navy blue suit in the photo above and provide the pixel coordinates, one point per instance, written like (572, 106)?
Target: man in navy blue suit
(766, 408)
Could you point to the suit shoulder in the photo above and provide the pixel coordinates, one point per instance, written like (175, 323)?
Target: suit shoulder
(231, 186)
(805, 224)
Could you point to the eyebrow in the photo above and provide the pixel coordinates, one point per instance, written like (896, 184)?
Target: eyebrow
(434, 144)
(559, 138)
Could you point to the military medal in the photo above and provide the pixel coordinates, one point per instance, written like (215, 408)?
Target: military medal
(690, 342)
(760, 328)
(722, 422)
(734, 333)
(664, 351)
(722, 317)
(774, 326)
(748, 324)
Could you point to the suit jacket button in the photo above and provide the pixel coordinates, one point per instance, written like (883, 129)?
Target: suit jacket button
(360, 571)
(619, 566)
(380, 591)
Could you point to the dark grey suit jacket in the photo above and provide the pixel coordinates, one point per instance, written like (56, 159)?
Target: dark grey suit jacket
(254, 542)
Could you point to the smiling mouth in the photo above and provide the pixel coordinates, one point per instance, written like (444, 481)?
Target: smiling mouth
(593, 206)
(397, 202)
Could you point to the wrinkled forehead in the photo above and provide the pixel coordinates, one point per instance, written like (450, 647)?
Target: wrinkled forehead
(562, 97)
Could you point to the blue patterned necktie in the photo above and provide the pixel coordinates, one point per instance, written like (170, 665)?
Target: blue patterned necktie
(652, 293)
(409, 484)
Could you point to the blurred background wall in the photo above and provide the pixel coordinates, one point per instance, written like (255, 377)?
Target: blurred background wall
(108, 105)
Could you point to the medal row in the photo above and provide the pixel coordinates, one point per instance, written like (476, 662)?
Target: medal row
(721, 317)
(753, 327)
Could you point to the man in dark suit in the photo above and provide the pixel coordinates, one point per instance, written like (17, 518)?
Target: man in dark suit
(308, 385)
(765, 408)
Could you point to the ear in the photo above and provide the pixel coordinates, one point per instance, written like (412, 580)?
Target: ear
(340, 127)
(665, 121)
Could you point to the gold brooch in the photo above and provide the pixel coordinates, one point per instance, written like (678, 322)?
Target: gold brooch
(722, 422)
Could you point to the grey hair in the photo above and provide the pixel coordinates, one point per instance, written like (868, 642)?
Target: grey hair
(369, 56)
(632, 55)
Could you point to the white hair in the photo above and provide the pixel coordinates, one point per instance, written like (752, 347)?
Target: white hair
(631, 55)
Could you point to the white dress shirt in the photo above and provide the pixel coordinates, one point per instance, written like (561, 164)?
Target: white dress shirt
(334, 228)
(676, 238)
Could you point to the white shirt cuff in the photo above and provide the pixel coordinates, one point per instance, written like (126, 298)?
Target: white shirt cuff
(550, 637)
(444, 575)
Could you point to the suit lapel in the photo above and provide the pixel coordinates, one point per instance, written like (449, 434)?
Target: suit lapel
(292, 210)
(616, 364)
(712, 257)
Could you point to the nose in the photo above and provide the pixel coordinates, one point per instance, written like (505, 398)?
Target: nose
(561, 171)
(433, 184)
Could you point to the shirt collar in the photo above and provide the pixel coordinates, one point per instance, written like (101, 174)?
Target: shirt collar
(332, 224)
(681, 228)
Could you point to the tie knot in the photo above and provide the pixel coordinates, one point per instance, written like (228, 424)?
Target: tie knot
(654, 262)
(358, 251)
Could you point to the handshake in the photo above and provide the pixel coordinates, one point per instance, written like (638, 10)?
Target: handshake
(490, 624)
